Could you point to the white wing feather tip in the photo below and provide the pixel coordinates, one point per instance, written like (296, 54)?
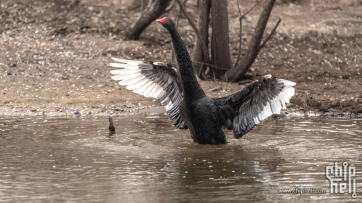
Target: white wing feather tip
(159, 63)
(125, 66)
(124, 72)
(287, 82)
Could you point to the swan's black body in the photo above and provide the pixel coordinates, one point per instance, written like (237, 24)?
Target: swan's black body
(188, 105)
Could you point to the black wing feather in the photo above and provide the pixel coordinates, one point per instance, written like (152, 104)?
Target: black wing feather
(243, 110)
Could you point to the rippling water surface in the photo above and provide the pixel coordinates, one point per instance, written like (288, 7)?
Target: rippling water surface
(46, 159)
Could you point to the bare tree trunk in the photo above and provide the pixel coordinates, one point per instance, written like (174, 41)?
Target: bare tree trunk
(154, 9)
(203, 24)
(220, 51)
(254, 47)
(221, 59)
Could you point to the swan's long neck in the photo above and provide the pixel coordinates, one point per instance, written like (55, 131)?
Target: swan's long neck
(191, 87)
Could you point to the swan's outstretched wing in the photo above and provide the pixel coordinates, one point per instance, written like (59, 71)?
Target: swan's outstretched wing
(243, 110)
(153, 79)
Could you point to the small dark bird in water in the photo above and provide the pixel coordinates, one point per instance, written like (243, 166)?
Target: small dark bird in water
(186, 102)
(111, 128)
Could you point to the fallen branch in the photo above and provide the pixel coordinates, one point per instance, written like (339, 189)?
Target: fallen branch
(272, 32)
(328, 63)
(76, 9)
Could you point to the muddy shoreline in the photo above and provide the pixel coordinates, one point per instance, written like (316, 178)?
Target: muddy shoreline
(161, 110)
(55, 55)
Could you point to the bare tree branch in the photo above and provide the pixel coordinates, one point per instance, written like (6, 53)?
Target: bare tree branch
(237, 1)
(142, 6)
(250, 9)
(240, 39)
(272, 32)
(203, 45)
(241, 26)
(201, 68)
(170, 7)
(213, 43)
(254, 46)
(153, 10)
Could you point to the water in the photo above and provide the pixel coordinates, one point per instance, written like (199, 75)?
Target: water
(71, 159)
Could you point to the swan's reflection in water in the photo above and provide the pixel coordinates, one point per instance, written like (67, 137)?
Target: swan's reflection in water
(147, 160)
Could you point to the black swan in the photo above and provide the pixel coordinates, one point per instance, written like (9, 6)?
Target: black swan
(187, 104)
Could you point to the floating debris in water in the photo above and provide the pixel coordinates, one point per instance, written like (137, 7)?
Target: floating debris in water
(111, 128)
(76, 113)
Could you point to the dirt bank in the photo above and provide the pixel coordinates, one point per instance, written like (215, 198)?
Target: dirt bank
(55, 54)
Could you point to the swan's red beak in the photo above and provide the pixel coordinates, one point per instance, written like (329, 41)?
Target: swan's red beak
(162, 21)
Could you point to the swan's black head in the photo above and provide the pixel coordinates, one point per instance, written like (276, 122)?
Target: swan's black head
(166, 23)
